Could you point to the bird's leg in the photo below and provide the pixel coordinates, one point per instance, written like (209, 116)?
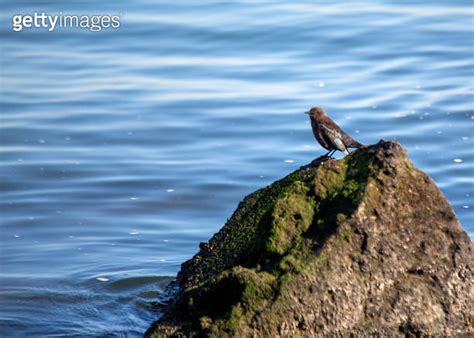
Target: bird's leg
(327, 154)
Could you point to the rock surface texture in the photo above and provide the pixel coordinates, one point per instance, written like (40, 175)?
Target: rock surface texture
(366, 245)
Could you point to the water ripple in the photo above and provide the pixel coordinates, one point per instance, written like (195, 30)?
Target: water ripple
(122, 150)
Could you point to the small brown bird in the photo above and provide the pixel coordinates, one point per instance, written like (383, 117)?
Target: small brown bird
(329, 135)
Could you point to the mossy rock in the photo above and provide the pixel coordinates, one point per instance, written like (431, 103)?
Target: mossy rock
(292, 215)
(362, 245)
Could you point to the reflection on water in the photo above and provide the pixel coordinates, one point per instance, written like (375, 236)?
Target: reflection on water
(122, 150)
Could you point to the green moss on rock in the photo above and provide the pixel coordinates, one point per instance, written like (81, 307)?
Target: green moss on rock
(255, 289)
(292, 215)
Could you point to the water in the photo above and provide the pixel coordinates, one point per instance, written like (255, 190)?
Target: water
(122, 150)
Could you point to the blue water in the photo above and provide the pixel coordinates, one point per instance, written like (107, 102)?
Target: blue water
(122, 150)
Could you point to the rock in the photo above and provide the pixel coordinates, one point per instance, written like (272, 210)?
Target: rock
(366, 245)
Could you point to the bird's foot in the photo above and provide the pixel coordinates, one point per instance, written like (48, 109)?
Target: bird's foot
(326, 158)
(322, 159)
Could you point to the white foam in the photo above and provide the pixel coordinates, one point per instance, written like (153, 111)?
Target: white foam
(289, 161)
(400, 115)
(102, 279)
(457, 160)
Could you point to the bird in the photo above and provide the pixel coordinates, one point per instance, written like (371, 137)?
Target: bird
(329, 135)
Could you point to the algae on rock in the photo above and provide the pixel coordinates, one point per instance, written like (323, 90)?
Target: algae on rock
(362, 245)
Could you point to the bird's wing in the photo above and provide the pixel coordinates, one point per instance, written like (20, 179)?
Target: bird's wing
(334, 136)
(348, 141)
